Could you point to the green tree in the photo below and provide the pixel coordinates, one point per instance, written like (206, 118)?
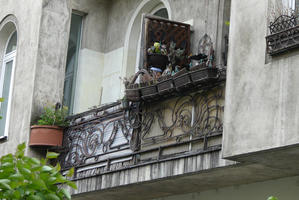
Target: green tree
(27, 178)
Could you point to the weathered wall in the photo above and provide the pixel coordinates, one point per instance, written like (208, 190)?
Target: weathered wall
(285, 188)
(105, 33)
(91, 59)
(28, 15)
(261, 99)
(151, 174)
(52, 50)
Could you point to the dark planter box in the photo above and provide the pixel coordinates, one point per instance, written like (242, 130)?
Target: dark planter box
(182, 80)
(149, 91)
(202, 75)
(133, 92)
(158, 60)
(165, 85)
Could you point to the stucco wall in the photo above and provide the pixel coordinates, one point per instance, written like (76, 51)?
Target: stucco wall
(28, 15)
(52, 49)
(286, 189)
(88, 86)
(261, 99)
(119, 60)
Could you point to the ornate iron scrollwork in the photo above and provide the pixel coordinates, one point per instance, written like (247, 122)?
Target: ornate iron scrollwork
(284, 34)
(89, 141)
(199, 114)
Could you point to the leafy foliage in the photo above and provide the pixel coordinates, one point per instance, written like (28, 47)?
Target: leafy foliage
(54, 116)
(27, 178)
(272, 198)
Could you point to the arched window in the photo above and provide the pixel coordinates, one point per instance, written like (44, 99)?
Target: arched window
(6, 73)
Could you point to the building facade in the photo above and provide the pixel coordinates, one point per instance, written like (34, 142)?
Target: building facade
(228, 134)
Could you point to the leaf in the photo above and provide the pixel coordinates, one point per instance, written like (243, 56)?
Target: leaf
(6, 181)
(21, 147)
(17, 176)
(51, 155)
(7, 158)
(24, 171)
(52, 179)
(5, 186)
(72, 184)
(46, 168)
(7, 165)
(20, 150)
(35, 161)
(66, 193)
(51, 197)
(35, 197)
(58, 167)
(70, 172)
(272, 198)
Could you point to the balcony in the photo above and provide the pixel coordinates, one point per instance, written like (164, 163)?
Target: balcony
(171, 126)
(110, 138)
(284, 35)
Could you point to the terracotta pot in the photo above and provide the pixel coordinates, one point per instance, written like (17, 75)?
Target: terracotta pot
(44, 135)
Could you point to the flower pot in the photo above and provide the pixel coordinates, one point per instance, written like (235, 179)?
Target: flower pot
(44, 135)
(182, 80)
(158, 60)
(165, 85)
(132, 94)
(203, 75)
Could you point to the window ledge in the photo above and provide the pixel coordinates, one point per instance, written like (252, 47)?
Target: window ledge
(3, 138)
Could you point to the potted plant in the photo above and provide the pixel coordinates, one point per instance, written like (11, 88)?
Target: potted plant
(182, 80)
(149, 90)
(201, 73)
(132, 92)
(165, 85)
(50, 126)
(157, 56)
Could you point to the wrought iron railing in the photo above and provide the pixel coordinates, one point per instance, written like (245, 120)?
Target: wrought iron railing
(284, 35)
(110, 138)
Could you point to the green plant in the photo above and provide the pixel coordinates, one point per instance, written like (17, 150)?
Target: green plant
(27, 178)
(54, 115)
(272, 198)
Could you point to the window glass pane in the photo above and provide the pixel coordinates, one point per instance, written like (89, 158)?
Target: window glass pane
(72, 60)
(5, 94)
(162, 13)
(12, 44)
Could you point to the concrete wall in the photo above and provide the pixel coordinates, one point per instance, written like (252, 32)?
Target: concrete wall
(52, 50)
(261, 110)
(28, 15)
(285, 189)
(119, 59)
(89, 77)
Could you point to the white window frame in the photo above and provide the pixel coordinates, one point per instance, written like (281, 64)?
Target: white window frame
(11, 56)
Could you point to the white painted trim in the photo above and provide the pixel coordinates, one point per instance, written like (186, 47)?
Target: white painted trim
(157, 8)
(6, 59)
(129, 30)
